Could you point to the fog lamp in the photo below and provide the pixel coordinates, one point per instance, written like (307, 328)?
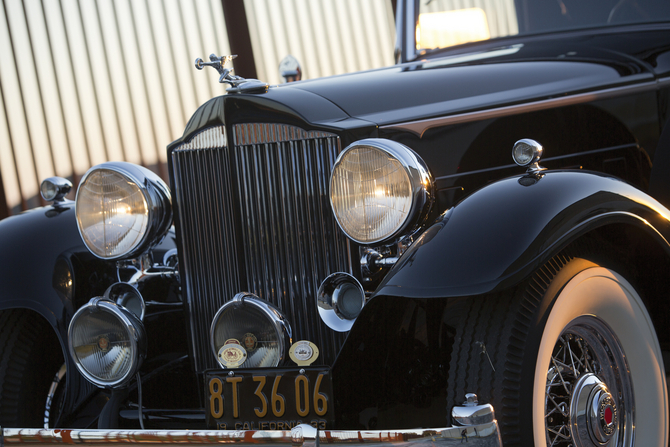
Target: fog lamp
(249, 332)
(107, 343)
(340, 300)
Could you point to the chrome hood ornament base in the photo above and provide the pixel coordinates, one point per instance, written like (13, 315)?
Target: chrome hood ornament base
(237, 84)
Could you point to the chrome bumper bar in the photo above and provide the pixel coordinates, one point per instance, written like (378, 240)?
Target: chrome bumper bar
(484, 435)
(476, 425)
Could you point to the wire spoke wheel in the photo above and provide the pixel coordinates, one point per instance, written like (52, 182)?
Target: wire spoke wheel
(574, 360)
(589, 401)
(55, 398)
(599, 378)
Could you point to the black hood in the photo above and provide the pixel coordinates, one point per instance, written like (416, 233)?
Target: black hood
(495, 76)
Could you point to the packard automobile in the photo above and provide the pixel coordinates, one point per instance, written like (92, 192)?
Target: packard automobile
(472, 245)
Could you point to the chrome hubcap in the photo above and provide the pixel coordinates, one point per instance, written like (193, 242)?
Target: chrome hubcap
(593, 413)
(588, 400)
(603, 416)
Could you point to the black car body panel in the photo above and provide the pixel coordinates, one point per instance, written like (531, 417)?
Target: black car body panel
(534, 218)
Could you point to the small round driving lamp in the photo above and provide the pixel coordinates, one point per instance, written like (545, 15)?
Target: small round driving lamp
(122, 210)
(249, 332)
(340, 300)
(379, 189)
(107, 342)
(54, 189)
(526, 152)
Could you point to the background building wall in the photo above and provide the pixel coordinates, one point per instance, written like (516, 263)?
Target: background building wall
(86, 81)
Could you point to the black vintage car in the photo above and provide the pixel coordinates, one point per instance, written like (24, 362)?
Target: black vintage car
(378, 257)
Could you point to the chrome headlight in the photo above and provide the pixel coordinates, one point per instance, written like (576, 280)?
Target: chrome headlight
(122, 210)
(249, 332)
(107, 343)
(379, 189)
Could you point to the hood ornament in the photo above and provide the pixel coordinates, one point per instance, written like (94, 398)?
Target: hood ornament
(237, 84)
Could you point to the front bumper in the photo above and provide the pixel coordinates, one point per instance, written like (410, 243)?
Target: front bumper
(484, 435)
(474, 424)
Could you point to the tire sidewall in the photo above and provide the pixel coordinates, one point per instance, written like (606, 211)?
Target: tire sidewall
(583, 288)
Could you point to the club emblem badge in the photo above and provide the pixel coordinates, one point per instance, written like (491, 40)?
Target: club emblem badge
(232, 355)
(303, 353)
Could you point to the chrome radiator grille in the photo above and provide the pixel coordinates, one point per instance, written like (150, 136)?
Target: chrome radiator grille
(256, 217)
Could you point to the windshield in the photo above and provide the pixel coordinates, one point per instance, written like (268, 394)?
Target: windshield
(445, 23)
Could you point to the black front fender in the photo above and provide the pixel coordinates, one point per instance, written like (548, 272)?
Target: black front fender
(32, 243)
(500, 234)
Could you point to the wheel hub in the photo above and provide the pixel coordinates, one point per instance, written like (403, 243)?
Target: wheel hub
(603, 416)
(589, 400)
(593, 412)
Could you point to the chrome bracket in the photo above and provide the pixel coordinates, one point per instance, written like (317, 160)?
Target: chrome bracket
(373, 262)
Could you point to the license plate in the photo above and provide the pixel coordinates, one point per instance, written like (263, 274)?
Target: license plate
(269, 399)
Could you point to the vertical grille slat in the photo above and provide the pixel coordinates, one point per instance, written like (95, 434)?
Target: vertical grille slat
(255, 217)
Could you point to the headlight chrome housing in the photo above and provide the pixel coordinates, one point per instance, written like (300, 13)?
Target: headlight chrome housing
(107, 342)
(249, 332)
(122, 210)
(379, 190)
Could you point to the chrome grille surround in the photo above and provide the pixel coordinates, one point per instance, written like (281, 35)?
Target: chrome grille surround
(256, 218)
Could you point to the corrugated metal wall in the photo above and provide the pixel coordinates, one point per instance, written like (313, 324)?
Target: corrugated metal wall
(85, 81)
(327, 36)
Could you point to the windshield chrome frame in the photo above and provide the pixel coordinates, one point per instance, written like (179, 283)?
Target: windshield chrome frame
(406, 19)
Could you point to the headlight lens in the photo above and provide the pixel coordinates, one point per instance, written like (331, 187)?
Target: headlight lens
(107, 343)
(378, 189)
(122, 209)
(249, 332)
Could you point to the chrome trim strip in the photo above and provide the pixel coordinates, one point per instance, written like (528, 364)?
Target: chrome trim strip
(484, 435)
(421, 126)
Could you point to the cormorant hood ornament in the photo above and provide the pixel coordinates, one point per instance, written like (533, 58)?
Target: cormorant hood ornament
(237, 84)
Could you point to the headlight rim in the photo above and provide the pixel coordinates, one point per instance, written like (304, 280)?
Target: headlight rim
(421, 183)
(137, 337)
(274, 315)
(156, 195)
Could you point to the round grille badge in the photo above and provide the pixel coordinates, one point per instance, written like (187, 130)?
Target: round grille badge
(232, 355)
(303, 353)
